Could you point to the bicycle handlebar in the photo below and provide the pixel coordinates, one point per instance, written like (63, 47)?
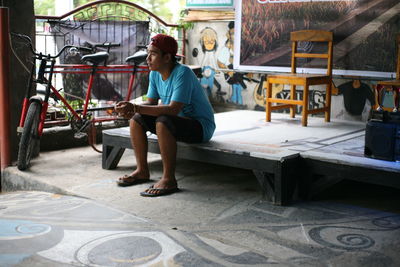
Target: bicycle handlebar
(29, 41)
(107, 45)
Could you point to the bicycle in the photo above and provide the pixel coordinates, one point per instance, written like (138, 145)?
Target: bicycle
(34, 107)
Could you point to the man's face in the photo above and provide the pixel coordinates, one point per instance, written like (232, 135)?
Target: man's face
(156, 60)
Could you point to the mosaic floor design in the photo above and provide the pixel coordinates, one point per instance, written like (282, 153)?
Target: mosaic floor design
(43, 229)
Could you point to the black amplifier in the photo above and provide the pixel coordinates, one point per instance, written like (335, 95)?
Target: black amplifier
(382, 136)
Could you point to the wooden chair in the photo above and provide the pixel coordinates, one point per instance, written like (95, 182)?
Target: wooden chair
(393, 85)
(300, 79)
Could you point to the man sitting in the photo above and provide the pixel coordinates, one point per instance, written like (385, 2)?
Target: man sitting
(184, 114)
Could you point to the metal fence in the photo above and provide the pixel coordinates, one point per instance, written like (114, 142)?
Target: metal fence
(98, 22)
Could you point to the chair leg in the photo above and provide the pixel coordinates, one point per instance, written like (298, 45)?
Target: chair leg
(380, 95)
(305, 106)
(395, 99)
(268, 95)
(293, 97)
(328, 102)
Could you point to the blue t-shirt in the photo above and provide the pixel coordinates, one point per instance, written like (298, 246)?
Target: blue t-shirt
(183, 86)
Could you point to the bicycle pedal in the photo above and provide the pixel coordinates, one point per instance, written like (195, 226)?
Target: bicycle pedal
(80, 135)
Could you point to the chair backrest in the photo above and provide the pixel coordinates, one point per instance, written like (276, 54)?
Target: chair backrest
(312, 36)
(398, 57)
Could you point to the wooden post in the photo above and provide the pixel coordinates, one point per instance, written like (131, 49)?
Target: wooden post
(5, 158)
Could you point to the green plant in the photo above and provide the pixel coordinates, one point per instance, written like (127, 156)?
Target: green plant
(187, 25)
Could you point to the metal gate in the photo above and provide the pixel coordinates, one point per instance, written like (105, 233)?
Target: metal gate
(98, 22)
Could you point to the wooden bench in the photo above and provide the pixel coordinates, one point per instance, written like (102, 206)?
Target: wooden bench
(345, 160)
(275, 169)
(287, 160)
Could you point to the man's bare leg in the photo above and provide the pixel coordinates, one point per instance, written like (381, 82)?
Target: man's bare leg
(140, 145)
(168, 148)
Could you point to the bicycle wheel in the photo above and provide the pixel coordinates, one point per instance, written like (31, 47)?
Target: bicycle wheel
(30, 136)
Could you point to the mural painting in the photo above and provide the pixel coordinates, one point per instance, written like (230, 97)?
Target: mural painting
(353, 100)
(211, 46)
(225, 61)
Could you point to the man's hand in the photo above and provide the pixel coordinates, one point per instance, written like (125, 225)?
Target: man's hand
(125, 109)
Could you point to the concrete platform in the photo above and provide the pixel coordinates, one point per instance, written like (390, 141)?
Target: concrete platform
(288, 160)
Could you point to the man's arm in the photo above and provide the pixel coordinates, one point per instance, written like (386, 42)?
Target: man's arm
(127, 109)
(156, 110)
(149, 107)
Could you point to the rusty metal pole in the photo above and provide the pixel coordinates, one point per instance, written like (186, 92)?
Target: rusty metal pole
(5, 157)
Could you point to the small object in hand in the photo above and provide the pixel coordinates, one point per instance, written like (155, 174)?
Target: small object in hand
(126, 109)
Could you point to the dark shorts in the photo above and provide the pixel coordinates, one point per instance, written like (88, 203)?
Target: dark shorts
(184, 129)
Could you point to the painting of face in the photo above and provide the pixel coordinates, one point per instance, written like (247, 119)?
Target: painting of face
(209, 43)
(208, 39)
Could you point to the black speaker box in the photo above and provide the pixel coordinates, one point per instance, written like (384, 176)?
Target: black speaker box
(382, 140)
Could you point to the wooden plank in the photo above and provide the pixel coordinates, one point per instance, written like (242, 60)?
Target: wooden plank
(276, 107)
(304, 55)
(285, 101)
(111, 156)
(205, 15)
(230, 158)
(356, 173)
(311, 35)
(266, 181)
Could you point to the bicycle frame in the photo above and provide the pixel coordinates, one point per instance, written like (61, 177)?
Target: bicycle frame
(35, 109)
(76, 69)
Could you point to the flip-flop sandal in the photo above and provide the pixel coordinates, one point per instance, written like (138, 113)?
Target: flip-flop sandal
(158, 191)
(133, 181)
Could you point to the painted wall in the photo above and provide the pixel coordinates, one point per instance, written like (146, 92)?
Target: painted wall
(210, 45)
(353, 100)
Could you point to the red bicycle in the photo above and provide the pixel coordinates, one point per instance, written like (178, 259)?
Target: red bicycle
(34, 116)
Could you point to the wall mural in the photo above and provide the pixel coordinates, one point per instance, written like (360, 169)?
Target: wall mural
(211, 46)
(357, 99)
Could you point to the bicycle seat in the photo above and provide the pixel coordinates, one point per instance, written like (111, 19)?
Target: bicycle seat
(96, 58)
(137, 58)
